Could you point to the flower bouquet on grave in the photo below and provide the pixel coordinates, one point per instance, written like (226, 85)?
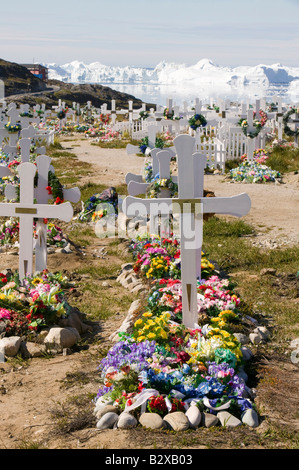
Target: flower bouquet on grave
(99, 205)
(198, 120)
(259, 156)
(81, 129)
(39, 302)
(257, 124)
(9, 232)
(252, 172)
(13, 128)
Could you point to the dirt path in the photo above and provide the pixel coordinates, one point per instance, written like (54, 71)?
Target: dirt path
(274, 207)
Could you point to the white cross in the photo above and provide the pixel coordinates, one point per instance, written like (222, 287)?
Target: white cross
(26, 210)
(41, 195)
(191, 207)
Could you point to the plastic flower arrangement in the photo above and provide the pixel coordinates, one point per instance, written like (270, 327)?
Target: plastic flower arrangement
(286, 118)
(152, 328)
(62, 113)
(259, 156)
(257, 124)
(162, 356)
(99, 205)
(159, 143)
(252, 172)
(39, 302)
(13, 128)
(198, 120)
(158, 184)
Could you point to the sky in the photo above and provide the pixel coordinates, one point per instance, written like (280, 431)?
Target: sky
(146, 32)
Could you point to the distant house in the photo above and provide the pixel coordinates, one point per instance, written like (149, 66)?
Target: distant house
(38, 70)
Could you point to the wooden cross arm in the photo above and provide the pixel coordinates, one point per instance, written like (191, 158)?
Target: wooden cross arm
(235, 205)
(61, 211)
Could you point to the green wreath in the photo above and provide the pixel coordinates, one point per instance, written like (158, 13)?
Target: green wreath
(287, 130)
(13, 128)
(196, 121)
(158, 185)
(256, 124)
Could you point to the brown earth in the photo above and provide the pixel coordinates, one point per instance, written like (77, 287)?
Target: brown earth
(45, 402)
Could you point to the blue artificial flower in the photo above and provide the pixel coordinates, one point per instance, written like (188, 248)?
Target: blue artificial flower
(203, 389)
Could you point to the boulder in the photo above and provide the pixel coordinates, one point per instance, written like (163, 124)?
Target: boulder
(73, 320)
(106, 409)
(208, 420)
(10, 345)
(194, 416)
(250, 417)
(126, 421)
(107, 421)
(151, 421)
(60, 338)
(177, 421)
(31, 349)
(228, 420)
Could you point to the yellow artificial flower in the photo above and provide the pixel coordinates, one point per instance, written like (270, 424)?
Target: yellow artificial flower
(151, 336)
(141, 338)
(147, 314)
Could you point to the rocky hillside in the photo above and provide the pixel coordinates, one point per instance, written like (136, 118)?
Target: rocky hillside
(17, 79)
(22, 87)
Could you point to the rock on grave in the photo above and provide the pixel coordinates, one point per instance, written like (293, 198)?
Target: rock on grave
(177, 421)
(208, 420)
(106, 409)
(10, 345)
(194, 416)
(107, 421)
(151, 421)
(250, 417)
(126, 421)
(228, 420)
(60, 338)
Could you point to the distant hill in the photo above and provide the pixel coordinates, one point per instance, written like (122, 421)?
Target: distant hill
(17, 79)
(22, 87)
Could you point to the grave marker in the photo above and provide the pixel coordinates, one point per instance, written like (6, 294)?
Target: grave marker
(26, 210)
(190, 208)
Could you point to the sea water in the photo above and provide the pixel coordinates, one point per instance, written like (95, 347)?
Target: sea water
(158, 94)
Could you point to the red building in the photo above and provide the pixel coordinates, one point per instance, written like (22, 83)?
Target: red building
(38, 70)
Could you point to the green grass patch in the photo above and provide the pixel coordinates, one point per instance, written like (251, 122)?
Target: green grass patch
(284, 159)
(276, 296)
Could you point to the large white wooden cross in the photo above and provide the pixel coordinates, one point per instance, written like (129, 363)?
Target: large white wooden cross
(43, 163)
(190, 205)
(27, 211)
